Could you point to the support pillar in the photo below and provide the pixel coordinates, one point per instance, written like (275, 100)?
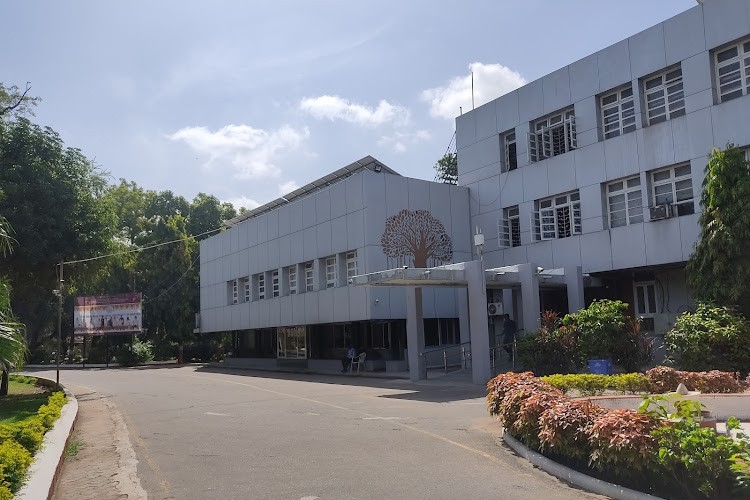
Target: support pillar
(481, 371)
(509, 307)
(415, 333)
(574, 285)
(530, 305)
(463, 315)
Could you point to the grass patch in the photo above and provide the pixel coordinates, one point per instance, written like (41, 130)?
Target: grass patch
(23, 401)
(74, 446)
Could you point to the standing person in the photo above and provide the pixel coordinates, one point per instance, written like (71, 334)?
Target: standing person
(347, 361)
(509, 335)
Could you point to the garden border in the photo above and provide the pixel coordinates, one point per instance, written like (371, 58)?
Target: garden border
(571, 476)
(41, 477)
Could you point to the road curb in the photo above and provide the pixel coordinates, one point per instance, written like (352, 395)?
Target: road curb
(42, 475)
(571, 476)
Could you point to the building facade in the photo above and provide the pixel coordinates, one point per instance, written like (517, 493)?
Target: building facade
(600, 163)
(278, 277)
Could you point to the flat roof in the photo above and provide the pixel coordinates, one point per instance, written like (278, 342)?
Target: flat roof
(366, 163)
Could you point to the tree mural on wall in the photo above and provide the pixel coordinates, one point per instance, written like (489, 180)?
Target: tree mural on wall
(417, 234)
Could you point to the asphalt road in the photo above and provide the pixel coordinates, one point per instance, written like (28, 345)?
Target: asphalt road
(200, 433)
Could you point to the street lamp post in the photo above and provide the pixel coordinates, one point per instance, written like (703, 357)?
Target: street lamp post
(59, 325)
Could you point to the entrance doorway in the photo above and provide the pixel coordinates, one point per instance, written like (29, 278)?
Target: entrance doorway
(291, 342)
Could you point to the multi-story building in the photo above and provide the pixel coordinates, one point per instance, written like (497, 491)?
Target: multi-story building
(600, 163)
(278, 277)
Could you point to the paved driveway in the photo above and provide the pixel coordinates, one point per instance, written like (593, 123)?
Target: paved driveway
(200, 433)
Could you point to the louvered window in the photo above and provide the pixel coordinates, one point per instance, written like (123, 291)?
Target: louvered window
(557, 217)
(261, 286)
(618, 112)
(509, 229)
(247, 289)
(275, 283)
(309, 280)
(235, 297)
(665, 96)
(351, 264)
(733, 71)
(553, 136)
(330, 271)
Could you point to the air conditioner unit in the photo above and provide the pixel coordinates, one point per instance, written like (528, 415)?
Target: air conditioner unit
(659, 212)
(495, 309)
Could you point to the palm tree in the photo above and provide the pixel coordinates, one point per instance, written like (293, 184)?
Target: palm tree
(12, 342)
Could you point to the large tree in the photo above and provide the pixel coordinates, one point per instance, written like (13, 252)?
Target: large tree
(719, 269)
(207, 213)
(53, 200)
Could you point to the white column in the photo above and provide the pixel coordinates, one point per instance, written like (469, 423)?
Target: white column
(481, 371)
(527, 274)
(415, 333)
(574, 284)
(463, 314)
(509, 306)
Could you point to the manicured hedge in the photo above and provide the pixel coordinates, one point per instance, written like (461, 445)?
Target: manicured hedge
(657, 380)
(668, 455)
(19, 441)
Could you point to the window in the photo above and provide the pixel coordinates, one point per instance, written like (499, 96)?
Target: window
(665, 98)
(331, 271)
(510, 228)
(645, 304)
(558, 217)
(509, 146)
(733, 71)
(618, 112)
(261, 286)
(275, 283)
(292, 273)
(553, 136)
(247, 289)
(309, 280)
(674, 186)
(625, 202)
(351, 264)
(235, 297)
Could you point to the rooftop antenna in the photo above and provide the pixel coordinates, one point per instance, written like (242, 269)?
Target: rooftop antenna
(472, 90)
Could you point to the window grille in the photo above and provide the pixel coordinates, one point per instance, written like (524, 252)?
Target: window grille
(553, 136)
(557, 217)
(509, 229)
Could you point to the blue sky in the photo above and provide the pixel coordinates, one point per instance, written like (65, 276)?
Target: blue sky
(248, 100)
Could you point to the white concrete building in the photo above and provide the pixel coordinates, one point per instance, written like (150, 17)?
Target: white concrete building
(600, 163)
(278, 278)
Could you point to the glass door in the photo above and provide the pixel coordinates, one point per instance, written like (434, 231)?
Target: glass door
(291, 342)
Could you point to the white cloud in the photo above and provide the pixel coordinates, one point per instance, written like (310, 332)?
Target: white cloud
(288, 187)
(333, 107)
(490, 82)
(252, 153)
(242, 201)
(401, 141)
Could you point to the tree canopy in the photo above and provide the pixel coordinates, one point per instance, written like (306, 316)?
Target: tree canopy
(446, 169)
(719, 268)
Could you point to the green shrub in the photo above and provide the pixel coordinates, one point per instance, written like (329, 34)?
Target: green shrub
(710, 338)
(589, 384)
(134, 354)
(29, 433)
(50, 412)
(22, 379)
(605, 331)
(551, 349)
(15, 459)
(5, 493)
(697, 459)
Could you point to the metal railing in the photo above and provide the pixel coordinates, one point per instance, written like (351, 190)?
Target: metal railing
(513, 354)
(456, 357)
